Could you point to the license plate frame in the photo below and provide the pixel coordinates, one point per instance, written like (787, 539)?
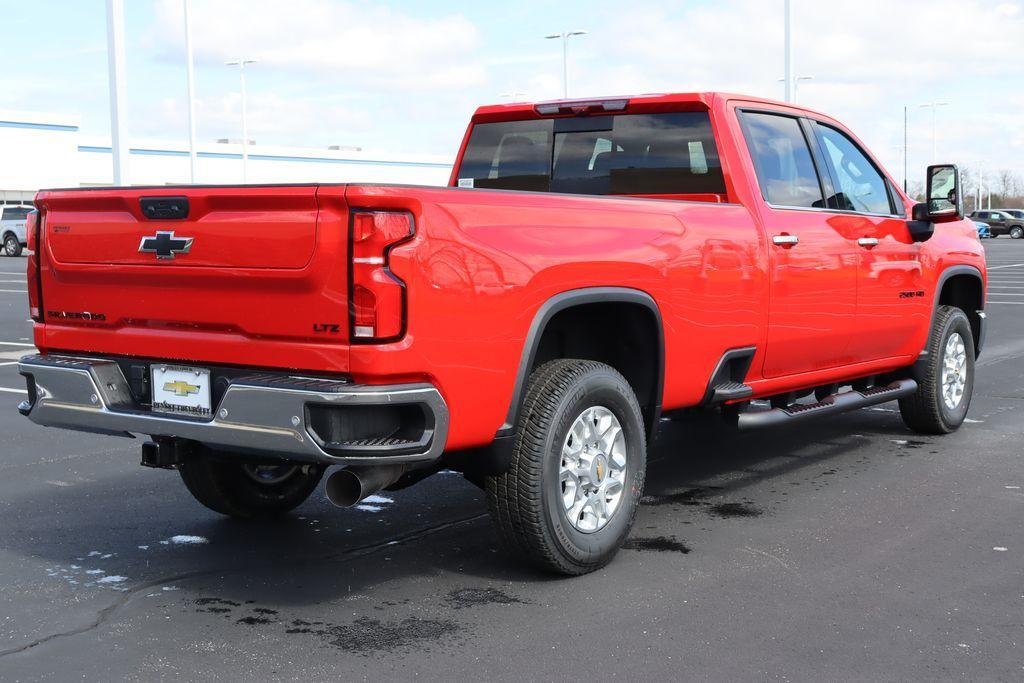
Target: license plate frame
(181, 390)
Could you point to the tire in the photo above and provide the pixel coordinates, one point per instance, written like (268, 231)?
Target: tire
(244, 491)
(528, 501)
(927, 410)
(12, 247)
(1016, 232)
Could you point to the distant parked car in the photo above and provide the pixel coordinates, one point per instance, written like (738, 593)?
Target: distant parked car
(983, 229)
(1001, 222)
(12, 229)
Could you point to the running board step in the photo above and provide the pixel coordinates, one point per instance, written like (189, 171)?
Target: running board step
(730, 391)
(836, 403)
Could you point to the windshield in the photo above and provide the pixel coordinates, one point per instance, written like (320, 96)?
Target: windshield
(623, 154)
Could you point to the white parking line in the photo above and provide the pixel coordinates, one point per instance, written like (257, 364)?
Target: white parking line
(13, 362)
(31, 346)
(15, 291)
(12, 282)
(21, 273)
(1011, 265)
(14, 391)
(1012, 303)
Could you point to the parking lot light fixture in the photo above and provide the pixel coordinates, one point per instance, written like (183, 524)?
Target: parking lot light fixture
(240, 63)
(933, 106)
(565, 35)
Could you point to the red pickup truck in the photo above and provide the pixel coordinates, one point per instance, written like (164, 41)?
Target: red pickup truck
(594, 267)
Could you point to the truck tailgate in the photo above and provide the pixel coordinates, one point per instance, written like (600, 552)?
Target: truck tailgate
(251, 276)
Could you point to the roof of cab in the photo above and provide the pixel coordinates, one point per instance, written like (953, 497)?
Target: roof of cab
(645, 102)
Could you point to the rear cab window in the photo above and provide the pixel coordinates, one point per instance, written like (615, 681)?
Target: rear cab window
(671, 154)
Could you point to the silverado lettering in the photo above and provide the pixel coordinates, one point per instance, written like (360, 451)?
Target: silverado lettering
(594, 267)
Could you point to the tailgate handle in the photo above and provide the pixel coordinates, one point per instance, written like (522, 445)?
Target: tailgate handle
(164, 208)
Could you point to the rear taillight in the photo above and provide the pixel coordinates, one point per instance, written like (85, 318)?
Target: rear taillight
(377, 300)
(35, 292)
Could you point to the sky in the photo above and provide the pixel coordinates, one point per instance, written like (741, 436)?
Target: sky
(403, 76)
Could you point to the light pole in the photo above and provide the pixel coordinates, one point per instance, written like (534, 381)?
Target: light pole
(240, 63)
(933, 106)
(906, 149)
(795, 82)
(565, 35)
(788, 53)
(193, 164)
(118, 90)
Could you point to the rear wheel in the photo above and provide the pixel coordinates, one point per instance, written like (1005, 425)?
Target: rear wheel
(246, 490)
(12, 246)
(1016, 232)
(568, 499)
(944, 391)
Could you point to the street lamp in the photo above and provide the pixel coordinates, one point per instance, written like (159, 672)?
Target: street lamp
(933, 106)
(793, 84)
(787, 21)
(118, 80)
(565, 35)
(190, 71)
(240, 63)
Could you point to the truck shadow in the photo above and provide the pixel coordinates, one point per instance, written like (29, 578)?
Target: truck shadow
(143, 527)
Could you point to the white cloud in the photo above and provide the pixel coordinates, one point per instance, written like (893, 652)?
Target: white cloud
(868, 58)
(370, 45)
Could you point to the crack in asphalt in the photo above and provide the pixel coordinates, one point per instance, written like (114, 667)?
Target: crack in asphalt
(354, 553)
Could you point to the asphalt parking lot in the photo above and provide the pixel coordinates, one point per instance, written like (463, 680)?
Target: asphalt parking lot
(851, 549)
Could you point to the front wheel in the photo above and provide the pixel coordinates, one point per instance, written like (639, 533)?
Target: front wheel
(943, 395)
(246, 490)
(1016, 232)
(12, 247)
(568, 499)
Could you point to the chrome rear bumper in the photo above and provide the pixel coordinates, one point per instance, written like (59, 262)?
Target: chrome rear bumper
(263, 413)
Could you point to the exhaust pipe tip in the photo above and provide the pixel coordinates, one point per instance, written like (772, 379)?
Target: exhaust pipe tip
(349, 486)
(344, 489)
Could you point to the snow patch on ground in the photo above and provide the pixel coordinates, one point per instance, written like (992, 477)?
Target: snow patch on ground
(377, 499)
(185, 539)
(113, 579)
(369, 508)
(973, 422)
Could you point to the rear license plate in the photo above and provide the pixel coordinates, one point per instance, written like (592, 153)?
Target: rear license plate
(181, 390)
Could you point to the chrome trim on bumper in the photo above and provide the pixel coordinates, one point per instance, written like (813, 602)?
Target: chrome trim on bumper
(92, 395)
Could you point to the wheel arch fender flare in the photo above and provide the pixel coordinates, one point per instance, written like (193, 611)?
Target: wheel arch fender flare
(979, 314)
(578, 297)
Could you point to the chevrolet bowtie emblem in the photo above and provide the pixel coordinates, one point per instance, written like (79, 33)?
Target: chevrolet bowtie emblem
(165, 245)
(181, 388)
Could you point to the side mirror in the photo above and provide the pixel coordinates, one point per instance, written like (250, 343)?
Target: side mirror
(945, 202)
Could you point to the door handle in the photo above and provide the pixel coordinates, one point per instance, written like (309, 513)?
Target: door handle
(868, 241)
(785, 240)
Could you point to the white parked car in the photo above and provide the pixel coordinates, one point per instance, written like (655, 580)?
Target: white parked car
(12, 228)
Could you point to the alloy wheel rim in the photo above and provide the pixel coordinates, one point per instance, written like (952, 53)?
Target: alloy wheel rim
(269, 474)
(954, 371)
(10, 246)
(592, 473)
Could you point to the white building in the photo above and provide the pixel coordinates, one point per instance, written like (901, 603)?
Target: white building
(40, 150)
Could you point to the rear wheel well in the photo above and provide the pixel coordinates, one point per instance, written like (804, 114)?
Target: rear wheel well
(624, 335)
(964, 291)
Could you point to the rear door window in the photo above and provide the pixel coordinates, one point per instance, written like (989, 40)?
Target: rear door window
(624, 154)
(782, 160)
